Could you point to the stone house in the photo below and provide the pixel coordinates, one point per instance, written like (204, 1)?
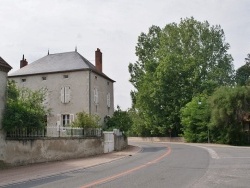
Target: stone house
(4, 69)
(73, 85)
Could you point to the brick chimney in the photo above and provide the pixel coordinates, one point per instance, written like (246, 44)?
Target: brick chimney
(98, 60)
(23, 63)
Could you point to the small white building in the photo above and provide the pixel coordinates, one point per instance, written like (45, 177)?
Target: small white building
(73, 85)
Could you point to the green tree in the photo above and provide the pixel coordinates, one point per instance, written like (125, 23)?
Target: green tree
(24, 108)
(174, 64)
(120, 120)
(138, 127)
(85, 120)
(229, 105)
(195, 118)
(243, 73)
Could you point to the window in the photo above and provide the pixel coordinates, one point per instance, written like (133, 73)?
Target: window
(64, 120)
(46, 99)
(107, 83)
(96, 96)
(44, 78)
(24, 80)
(108, 100)
(65, 94)
(96, 77)
(65, 76)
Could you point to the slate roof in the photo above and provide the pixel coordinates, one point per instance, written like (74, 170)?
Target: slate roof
(4, 66)
(60, 62)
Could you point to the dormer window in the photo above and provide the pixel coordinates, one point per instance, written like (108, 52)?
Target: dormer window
(66, 76)
(23, 79)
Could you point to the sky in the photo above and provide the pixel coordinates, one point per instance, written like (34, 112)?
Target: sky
(32, 27)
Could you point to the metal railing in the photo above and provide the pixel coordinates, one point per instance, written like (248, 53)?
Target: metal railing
(54, 132)
(26, 133)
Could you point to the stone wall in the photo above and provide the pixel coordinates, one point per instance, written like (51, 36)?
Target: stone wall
(26, 151)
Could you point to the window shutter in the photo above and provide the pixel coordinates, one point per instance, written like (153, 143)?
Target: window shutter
(95, 96)
(97, 100)
(62, 95)
(46, 99)
(108, 100)
(58, 122)
(71, 118)
(67, 94)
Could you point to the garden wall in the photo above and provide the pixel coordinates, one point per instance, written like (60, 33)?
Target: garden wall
(121, 142)
(26, 151)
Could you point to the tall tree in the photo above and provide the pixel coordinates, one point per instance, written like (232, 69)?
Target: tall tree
(243, 73)
(174, 64)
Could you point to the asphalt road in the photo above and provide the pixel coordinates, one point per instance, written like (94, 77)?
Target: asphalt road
(161, 165)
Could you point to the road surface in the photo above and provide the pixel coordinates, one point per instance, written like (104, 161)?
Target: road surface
(160, 165)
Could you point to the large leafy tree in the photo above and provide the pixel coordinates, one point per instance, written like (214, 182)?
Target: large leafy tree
(243, 73)
(175, 64)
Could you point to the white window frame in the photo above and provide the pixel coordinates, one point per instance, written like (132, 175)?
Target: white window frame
(63, 120)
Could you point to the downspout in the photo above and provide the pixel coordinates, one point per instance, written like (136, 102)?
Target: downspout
(90, 92)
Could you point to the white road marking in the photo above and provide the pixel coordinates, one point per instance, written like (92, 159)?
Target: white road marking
(211, 152)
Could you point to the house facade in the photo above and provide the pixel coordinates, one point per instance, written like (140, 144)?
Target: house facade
(4, 69)
(72, 84)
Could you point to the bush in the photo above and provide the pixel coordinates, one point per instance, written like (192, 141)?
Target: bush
(85, 120)
(120, 120)
(24, 108)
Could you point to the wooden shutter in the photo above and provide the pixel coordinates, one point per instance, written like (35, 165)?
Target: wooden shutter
(58, 121)
(108, 99)
(62, 95)
(97, 96)
(67, 93)
(71, 118)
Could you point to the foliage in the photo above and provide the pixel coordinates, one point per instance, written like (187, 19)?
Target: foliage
(24, 108)
(195, 117)
(120, 120)
(174, 64)
(138, 126)
(243, 73)
(85, 120)
(229, 105)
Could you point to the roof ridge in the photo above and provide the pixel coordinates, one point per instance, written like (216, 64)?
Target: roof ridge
(60, 53)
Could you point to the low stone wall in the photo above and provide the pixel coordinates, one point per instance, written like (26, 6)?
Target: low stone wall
(121, 142)
(26, 151)
(156, 139)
